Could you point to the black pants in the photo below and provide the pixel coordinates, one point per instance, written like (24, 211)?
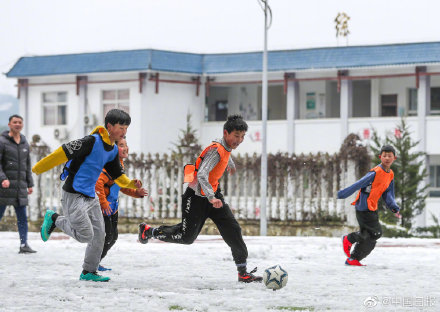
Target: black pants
(111, 233)
(370, 231)
(195, 211)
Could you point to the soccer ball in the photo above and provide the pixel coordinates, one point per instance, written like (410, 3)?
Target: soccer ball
(275, 277)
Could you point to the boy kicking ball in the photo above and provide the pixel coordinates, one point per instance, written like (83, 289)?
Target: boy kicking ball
(203, 199)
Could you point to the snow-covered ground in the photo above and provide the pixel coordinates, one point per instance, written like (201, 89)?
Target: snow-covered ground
(401, 275)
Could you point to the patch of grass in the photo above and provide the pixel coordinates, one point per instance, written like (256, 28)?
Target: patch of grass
(295, 308)
(175, 307)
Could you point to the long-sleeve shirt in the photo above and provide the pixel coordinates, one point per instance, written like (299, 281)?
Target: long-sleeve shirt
(362, 184)
(102, 189)
(77, 151)
(211, 159)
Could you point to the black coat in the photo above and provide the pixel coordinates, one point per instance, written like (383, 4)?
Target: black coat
(15, 166)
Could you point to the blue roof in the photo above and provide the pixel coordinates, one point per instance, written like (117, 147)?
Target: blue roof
(191, 63)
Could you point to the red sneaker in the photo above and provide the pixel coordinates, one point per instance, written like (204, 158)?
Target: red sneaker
(246, 277)
(145, 233)
(346, 245)
(354, 262)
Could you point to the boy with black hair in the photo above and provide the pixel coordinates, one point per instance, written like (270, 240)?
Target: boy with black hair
(378, 182)
(82, 217)
(203, 199)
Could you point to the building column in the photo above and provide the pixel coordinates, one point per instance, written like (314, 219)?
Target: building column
(81, 92)
(145, 115)
(375, 97)
(292, 113)
(423, 107)
(346, 106)
(23, 96)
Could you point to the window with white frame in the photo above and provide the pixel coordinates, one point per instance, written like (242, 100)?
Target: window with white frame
(54, 108)
(119, 98)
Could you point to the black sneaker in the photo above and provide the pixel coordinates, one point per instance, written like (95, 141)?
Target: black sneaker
(26, 249)
(145, 233)
(249, 277)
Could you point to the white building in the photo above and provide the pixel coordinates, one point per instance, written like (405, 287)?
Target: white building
(316, 96)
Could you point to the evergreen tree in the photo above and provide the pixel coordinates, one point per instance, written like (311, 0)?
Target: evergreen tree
(187, 147)
(409, 172)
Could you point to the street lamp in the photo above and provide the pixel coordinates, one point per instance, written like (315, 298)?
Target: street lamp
(263, 187)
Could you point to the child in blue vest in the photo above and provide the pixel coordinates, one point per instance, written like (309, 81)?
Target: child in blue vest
(378, 182)
(108, 194)
(82, 218)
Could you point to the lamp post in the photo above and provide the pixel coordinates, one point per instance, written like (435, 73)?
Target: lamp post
(263, 186)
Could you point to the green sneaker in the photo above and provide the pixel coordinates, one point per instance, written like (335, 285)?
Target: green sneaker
(48, 225)
(92, 276)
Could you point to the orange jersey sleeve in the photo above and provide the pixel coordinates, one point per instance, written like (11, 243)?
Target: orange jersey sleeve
(100, 191)
(130, 192)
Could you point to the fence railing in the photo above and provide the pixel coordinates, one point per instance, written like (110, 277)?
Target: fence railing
(300, 188)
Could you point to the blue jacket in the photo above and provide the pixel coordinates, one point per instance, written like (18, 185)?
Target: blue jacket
(362, 184)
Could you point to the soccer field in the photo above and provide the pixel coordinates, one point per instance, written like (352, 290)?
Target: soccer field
(400, 275)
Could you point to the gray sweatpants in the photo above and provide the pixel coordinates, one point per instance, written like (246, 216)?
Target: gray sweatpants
(83, 221)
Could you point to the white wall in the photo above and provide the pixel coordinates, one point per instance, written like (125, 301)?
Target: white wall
(96, 108)
(383, 125)
(432, 208)
(35, 118)
(276, 136)
(163, 115)
(317, 135)
(432, 135)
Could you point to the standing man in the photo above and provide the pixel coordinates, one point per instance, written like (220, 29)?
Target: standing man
(15, 176)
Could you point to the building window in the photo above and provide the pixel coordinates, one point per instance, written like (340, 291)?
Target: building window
(54, 108)
(221, 110)
(412, 102)
(389, 105)
(434, 180)
(244, 99)
(116, 99)
(435, 101)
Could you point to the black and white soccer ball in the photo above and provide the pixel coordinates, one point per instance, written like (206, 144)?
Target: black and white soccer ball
(275, 277)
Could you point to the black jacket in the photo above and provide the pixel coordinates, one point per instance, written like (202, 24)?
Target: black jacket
(15, 166)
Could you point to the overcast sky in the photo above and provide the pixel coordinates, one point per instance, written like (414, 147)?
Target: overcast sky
(42, 27)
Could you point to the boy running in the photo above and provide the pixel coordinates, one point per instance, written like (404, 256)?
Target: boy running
(378, 182)
(108, 193)
(82, 217)
(203, 199)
